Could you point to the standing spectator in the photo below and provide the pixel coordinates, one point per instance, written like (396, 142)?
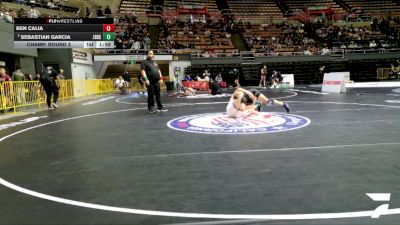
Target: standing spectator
(19, 77)
(127, 79)
(147, 42)
(61, 75)
(319, 74)
(4, 77)
(235, 72)
(151, 74)
(263, 76)
(107, 11)
(51, 85)
(99, 12)
(135, 45)
(87, 12)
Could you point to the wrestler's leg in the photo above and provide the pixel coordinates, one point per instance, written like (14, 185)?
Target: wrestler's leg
(270, 101)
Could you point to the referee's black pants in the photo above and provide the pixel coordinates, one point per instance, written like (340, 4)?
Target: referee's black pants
(51, 90)
(154, 90)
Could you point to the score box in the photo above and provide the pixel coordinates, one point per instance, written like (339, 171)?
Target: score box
(108, 28)
(108, 36)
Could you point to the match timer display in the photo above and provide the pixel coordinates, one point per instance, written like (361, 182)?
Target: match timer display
(64, 33)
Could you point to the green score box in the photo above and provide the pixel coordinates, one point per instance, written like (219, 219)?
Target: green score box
(109, 36)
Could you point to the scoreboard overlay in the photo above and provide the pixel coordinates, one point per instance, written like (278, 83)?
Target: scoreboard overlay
(64, 33)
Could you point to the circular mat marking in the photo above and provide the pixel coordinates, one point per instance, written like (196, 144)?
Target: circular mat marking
(220, 123)
(393, 101)
(310, 216)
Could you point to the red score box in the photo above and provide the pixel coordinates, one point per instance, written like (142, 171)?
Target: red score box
(108, 27)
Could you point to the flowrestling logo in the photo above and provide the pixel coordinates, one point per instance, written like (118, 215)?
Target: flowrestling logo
(220, 123)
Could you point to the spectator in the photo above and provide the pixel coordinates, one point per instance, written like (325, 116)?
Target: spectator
(100, 12)
(276, 79)
(51, 5)
(372, 44)
(147, 42)
(51, 85)
(188, 78)
(236, 74)
(325, 51)
(206, 73)
(127, 79)
(119, 84)
(107, 11)
(33, 12)
(4, 77)
(319, 75)
(19, 77)
(8, 17)
(87, 12)
(263, 76)
(61, 75)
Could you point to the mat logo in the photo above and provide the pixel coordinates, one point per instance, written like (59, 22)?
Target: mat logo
(220, 123)
(382, 209)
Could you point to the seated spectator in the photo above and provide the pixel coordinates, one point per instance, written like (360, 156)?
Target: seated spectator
(325, 51)
(394, 71)
(206, 73)
(21, 2)
(372, 44)
(33, 12)
(307, 51)
(8, 17)
(51, 5)
(120, 84)
(188, 78)
(276, 79)
(218, 78)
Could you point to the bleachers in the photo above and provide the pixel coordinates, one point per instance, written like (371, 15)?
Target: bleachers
(276, 39)
(302, 4)
(200, 41)
(211, 5)
(255, 8)
(134, 6)
(375, 7)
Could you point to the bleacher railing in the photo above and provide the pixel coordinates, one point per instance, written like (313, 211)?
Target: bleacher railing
(15, 94)
(201, 54)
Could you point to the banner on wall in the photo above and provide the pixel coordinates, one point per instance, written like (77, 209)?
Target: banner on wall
(81, 57)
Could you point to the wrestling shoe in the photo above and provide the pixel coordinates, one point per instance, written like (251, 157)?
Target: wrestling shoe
(286, 107)
(258, 106)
